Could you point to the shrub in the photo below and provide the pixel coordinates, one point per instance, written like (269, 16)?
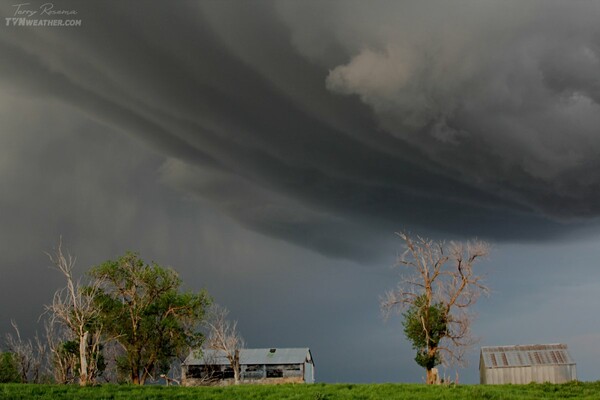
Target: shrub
(9, 370)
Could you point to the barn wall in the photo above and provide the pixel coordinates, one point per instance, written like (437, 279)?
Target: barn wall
(482, 371)
(227, 382)
(309, 373)
(499, 376)
(253, 374)
(525, 375)
(554, 374)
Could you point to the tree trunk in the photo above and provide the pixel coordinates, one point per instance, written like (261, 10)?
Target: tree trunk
(433, 377)
(432, 372)
(135, 376)
(236, 376)
(83, 365)
(236, 367)
(135, 363)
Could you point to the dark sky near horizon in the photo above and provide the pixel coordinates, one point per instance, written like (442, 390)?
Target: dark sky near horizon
(268, 151)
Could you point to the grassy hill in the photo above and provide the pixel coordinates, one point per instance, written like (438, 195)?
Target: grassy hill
(573, 390)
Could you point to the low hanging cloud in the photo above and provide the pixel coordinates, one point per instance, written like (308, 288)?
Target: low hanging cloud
(333, 125)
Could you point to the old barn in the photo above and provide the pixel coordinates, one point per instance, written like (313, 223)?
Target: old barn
(526, 363)
(270, 366)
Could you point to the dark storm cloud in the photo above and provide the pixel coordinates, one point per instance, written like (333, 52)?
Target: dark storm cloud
(332, 125)
(274, 127)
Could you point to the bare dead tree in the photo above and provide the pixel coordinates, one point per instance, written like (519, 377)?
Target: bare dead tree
(211, 369)
(63, 363)
(74, 307)
(30, 355)
(22, 351)
(436, 293)
(224, 336)
(40, 366)
(207, 374)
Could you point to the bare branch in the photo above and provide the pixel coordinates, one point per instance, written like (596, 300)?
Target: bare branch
(442, 275)
(224, 336)
(29, 355)
(74, 308)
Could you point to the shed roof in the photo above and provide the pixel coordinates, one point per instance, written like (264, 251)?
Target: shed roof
(526, 355)
(251, 356)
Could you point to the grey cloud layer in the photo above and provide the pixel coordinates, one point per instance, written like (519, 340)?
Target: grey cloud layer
(500, 95)
(332, 124)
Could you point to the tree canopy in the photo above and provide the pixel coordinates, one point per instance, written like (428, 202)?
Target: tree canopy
(425, 326)
(143, 309)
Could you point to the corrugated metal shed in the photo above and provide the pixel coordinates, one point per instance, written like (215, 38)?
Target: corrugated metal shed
(252, 357)
(259, 366)
(526, 363)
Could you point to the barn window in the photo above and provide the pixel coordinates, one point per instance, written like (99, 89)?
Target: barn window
(254, 371)
(194, 371)
(228, 373)
(210, 372)
(292, 370)
(274, 371)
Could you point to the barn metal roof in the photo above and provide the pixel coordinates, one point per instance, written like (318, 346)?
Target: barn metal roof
(526, 355)
(251, 356)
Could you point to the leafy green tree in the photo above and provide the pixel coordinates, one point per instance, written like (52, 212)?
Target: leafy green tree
(436, 294)
(425, 325)
(142, 307)
(9, 369)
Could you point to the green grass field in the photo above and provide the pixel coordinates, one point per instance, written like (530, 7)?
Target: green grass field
(308, 392)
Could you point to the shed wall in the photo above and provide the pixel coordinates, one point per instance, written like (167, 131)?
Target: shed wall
(309, 373)
(525, 375)
(254, 374)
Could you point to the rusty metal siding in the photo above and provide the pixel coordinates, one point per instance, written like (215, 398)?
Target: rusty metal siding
(515, 356)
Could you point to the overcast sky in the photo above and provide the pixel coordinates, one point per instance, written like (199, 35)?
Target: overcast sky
(268, 151)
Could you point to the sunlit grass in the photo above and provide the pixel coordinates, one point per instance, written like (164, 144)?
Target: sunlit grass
(573, 390)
